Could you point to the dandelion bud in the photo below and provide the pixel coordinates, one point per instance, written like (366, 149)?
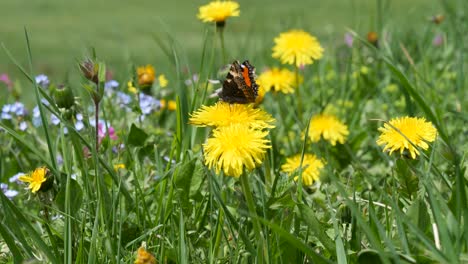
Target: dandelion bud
(437, 19)
(146, 76)
(90, 70)
(63, 96)
(373, 38)
(344, 214)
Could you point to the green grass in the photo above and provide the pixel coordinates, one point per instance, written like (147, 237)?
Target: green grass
(368, 207)
(123, 31)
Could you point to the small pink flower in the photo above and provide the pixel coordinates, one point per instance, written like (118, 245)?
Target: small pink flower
(6, 80)
(102, 132)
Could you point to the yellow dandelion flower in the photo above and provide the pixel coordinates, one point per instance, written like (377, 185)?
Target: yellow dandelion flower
(146, 75)
(260, 95)
(144, 257)
(35, 179)
(163, 82)
(328, 127)
(297, 47)
(278, 80)
(404, 133)
(218, 11)
(231, 148)
(311, 167)
(119, 166)
(224, 114)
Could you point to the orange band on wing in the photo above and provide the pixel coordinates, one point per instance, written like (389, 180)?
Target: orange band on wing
(245, 74)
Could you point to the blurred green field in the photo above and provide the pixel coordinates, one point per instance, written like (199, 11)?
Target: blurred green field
(63, 32)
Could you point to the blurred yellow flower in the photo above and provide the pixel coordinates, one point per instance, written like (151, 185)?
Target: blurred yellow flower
(146, 75)
(170, 105)
(297, 47)
(131, 88)
(260, 95)
(162, 81)
(278, 80)
(224, 114)
(35, 179)
(144, 257)
(231, 148)
(311, 168)
(218, 11)
(391, 88)
(119, 166)
(364, 70)
(407, 133)
(328, 127)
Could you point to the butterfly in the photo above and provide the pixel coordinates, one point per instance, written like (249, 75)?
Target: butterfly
(240, 86)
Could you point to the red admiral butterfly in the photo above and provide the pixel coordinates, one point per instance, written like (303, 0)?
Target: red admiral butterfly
(240, 86)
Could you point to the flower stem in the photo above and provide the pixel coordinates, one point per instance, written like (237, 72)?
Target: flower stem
(96, 123)
(251, 205)
(220, 30)
(298, 93)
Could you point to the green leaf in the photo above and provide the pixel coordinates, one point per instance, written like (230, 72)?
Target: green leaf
(34, 236)
(10, 242)
(76, 197)
(369, 256)
(406, 177)
(295, 241)
(418, 213)
(308, 215)
(183, 180)
(197, 180)
(101, 72)
(136, 137)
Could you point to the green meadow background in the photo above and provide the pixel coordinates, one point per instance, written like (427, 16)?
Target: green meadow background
(63, 32)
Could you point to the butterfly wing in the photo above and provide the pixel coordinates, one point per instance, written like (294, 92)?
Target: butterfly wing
(239, 86)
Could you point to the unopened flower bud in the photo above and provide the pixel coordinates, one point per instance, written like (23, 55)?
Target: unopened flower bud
(344, 214)
(90, 70)
(64, 97)
(373, 38)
